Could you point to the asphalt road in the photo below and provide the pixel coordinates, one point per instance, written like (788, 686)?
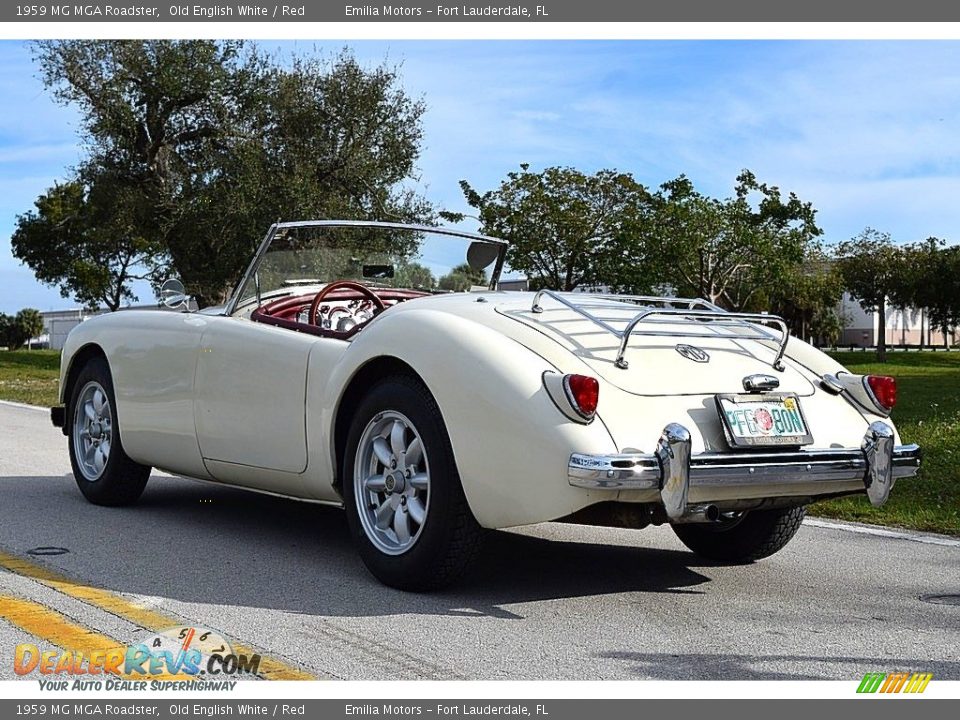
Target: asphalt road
(547, 602)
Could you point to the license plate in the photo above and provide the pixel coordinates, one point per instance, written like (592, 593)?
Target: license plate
(768, 419)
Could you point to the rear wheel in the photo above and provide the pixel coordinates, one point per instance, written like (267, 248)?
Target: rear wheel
(751, 536)
(405, 504)
(103, 471)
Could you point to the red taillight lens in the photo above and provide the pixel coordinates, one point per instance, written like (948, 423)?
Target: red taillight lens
(584, 393)
(884, 389)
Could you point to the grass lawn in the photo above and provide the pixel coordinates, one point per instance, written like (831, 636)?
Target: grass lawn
(29, 376)
(927, 413)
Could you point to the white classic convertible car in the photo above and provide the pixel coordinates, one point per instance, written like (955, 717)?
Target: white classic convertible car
(330, 376)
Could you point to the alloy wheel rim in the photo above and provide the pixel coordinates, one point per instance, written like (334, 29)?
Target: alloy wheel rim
(392, 483)
(92, 431)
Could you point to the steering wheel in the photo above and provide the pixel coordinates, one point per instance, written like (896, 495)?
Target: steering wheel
(339, 285)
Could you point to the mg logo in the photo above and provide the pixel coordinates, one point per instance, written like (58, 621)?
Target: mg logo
(693, 353)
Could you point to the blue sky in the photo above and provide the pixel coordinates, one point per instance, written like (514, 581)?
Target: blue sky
(865, 130)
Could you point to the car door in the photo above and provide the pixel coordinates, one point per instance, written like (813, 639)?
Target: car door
(153, 356)
(250, 398)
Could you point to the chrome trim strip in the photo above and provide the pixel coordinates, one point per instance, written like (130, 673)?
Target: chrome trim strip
(719, 316)
(251, 269)
(614, 472)
(779, 470)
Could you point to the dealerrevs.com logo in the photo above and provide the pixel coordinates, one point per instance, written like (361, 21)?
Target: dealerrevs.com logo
(183, 658)
(898, 682)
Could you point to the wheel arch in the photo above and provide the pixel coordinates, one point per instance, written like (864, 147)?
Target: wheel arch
(361, 381)
(501, 423)
(80, 358)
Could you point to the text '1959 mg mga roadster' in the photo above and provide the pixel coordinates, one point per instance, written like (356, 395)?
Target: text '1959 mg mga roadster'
(337, 373)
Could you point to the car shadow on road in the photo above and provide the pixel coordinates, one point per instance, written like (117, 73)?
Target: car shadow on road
(188, 541)
(727, 666)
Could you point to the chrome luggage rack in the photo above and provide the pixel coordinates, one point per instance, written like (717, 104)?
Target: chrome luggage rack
(669, 307)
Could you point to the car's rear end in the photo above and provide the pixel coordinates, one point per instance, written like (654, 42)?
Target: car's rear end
(715, 415)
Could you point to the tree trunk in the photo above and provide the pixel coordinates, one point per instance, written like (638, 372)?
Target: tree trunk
(946, 338)
(882, 330)
(113, 301)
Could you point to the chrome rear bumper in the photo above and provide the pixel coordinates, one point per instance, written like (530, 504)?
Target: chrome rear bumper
(674, 474)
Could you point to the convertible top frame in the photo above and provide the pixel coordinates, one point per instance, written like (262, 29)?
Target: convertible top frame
(277, 227)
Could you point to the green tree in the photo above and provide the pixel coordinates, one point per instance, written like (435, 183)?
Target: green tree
(7, 331)
(17, 330)
(565, 228)
(212, 142)
(871, 267)
(327, 140)
(809, 300)
(729, 251)
(413, 275)
(944, 309)
(82, 238)
(930, 279)
(29, 321)
(461, 278)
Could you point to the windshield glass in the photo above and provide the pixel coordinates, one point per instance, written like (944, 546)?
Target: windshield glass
(377, 256)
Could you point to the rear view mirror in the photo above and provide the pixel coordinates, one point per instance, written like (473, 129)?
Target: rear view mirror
(378, 271)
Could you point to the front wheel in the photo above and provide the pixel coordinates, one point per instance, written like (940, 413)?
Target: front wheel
(405, 504)
(751, 536)
(103, 471)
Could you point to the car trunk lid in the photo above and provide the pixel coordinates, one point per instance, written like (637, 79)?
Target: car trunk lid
(666, 355)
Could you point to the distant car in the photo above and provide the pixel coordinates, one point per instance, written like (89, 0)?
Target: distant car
(338, 374)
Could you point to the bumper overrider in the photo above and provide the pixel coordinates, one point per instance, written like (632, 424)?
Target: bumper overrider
(676, 476)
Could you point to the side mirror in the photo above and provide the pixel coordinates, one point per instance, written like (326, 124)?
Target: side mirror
(172, 294)
(481, 254)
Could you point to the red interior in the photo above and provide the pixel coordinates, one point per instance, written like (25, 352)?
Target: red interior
(283, 312)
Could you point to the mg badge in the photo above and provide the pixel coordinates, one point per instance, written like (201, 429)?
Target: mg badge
(693, 353)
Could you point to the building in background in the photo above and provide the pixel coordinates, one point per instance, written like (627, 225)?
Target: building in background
(514, 284)
(908, 326)
(57, 324)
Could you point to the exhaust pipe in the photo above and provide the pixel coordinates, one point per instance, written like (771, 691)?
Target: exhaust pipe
(699, 514)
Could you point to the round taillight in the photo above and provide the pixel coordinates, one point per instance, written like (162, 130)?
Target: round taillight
(884, 389)
(583, 392)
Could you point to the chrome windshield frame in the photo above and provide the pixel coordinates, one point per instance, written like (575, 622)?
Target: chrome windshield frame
(434, 230)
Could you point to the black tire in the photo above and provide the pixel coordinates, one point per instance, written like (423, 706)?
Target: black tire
(449, 538)
(121, 480)
(753, 536)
